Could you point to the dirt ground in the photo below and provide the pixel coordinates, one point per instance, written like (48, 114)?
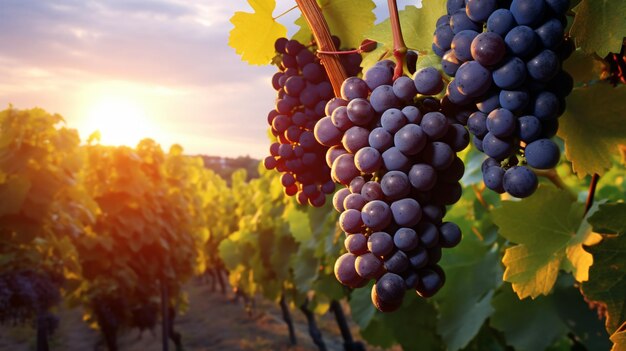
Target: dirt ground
(213, 322)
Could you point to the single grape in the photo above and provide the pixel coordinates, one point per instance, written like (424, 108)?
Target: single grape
(473, 79)
(501, 123)
(488, 48)
(449, 235)
(376, 215)
(380, 139)
(392, 120)
(395, 185)
(500, 21)
(346, 273)
(368, 160)
(354, 87)
(356, 244)
(368, 266)
(383, 98)
(405, 239)
(406, 212)
(493, 177)
(519, 181)
(397, 263)
(380, 244)
(428, 81)
(422, 177)
(542, 154)
(410, 139)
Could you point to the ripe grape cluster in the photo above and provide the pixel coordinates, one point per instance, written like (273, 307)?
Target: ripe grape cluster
(396, 155)
(303, 91)
(26, 295)
(505, 57)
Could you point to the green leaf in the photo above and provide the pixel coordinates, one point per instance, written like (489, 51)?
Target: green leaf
(546, 228)
(13, 192)
(599, 26)
(528, 325)
(299, 225)
(607, 277)
(575, 312)
(583, 67)
(412, 326)
(361, 306)
(254, 33)
(346, 19)
(472, 274)
(417, 27)
(592, 134)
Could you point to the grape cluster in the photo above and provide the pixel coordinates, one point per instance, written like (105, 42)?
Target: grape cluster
(505, 57)
(396, 155)
(26, 294)
(303, 91)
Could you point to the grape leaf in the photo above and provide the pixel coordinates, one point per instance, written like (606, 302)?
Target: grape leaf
(414, 23)
(402, 326)
(254, 33)
(583, 67)
(346, 19)
(592, 134)
(619, 341)
(472, 274)
(522, 321)
(607, 277)
(599, 26)
(547, 228)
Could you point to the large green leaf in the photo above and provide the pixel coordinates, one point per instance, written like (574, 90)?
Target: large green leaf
(547, 228)
(599, 26)
(528, 325)
(472, 274)
(417, 27)
(347, 19)
(254, 33)
(607, 277)
(592, 127)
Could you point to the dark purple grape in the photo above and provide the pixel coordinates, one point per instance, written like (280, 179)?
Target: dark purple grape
(542, 154)
(520, 181)
(405, 239)
(380, 244)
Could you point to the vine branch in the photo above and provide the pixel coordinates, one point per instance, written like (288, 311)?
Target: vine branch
(592, 191)
(315, 19)
(399, 48)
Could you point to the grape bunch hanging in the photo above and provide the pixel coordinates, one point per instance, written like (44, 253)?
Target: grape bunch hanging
(505, 57)
(303, 89)
(395, 153)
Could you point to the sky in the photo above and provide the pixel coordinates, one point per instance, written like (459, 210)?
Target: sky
(141, 68)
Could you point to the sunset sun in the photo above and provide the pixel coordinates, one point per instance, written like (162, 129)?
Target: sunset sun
(121, 119)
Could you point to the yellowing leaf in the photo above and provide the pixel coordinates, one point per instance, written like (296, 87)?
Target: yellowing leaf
(549, 230)
(599, 26)
(593, 126)
(254, 33)
(347, 19)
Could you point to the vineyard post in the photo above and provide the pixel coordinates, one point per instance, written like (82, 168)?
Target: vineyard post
(340, 317)
(314, 331)
(42, 333)
(287, 319)
(316, 21)
(164, 313)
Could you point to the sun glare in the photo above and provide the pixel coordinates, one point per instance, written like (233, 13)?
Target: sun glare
(119, 119)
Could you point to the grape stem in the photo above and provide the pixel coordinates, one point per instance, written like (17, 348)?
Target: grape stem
(362, 48)
(552, 176)
(399, 48)
(316, 21)
(592, 190)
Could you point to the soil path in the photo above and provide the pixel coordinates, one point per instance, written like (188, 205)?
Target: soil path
(213, 322)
